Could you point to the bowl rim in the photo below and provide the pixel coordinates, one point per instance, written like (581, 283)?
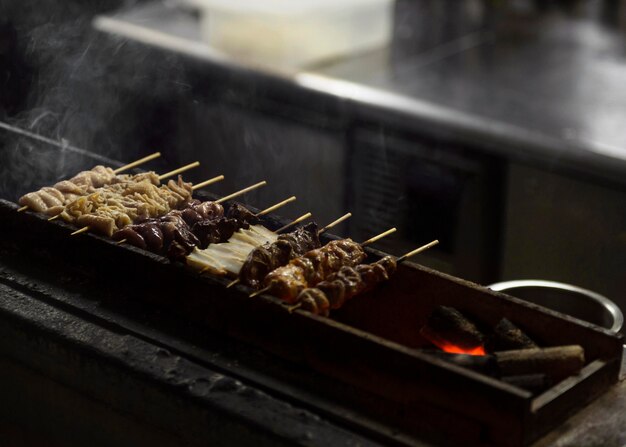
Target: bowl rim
(614, 310)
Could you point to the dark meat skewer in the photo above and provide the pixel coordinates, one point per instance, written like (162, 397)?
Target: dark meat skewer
(350, 281)
(262, 260)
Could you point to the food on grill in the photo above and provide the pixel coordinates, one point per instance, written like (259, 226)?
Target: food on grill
(156, 233)
(267, 257)
(51, 199)
(226, 258)
(313, 267)
(179, 231)
(340, 286)
(114, 206)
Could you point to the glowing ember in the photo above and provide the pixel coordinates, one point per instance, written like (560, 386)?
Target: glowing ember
(453, 349)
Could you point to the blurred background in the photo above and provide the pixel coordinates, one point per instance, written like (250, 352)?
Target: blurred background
(497, 127)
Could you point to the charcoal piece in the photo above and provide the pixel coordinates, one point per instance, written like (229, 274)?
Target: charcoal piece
(507, 337)
(447, 326)
(535, 383)
(557, 362)
(484, 364)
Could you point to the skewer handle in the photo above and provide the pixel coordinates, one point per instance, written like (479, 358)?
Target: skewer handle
(417, 250)
(275, 207)
(335, 222)
(208, 182)
(179, 170)
(243, 191)
(137, 162)
(297, 221)
(376, 238)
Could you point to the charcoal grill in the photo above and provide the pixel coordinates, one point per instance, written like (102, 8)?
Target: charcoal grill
(361, 367)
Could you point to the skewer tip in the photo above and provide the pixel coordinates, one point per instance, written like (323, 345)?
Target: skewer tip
(22, 209)
(232, 283)
(259, 292)
(82, 230)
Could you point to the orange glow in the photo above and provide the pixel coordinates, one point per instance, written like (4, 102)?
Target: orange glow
(453, 349)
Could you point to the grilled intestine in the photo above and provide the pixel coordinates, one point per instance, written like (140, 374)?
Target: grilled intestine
(114, 206)
(348, 282)
(267, 257)
(52, 200)
(313, 267)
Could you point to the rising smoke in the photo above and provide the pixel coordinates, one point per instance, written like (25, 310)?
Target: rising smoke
(62, 79)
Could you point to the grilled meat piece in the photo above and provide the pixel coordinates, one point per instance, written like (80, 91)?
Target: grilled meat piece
(313, 267)
(343, 285)
(117, 205)
(262, 260)
(216, 231)
(242, 214)
(52, 200)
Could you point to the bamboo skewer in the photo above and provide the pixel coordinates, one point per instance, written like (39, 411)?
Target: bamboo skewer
(376, 238)
(416, 251)
(363, 244)
(334, 223)
(137, 162)
(208, 182)
(117, 171)
(179, 170)
(292, 223)
(82, 230)
(242, 191)
(275, 207)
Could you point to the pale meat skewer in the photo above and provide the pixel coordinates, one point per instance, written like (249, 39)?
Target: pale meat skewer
(110, 209)
(70, 187)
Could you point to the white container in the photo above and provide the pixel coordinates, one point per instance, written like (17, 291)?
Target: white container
(294, 33)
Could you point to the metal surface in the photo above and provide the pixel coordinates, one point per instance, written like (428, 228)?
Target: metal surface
(575, 301)
(550, 96)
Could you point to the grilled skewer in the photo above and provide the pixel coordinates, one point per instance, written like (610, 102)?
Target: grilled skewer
(115, 206)
(226, 258)
(350, 281)
(314, 266)
(200, 223)
(268, 257)
(82, 183)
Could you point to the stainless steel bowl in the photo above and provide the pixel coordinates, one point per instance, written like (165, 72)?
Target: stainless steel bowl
(571, 300)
